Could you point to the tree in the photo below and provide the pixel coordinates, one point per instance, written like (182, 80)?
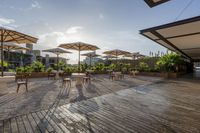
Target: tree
(169, 62)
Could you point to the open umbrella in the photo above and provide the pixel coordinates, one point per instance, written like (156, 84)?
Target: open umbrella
(12, 46)
(132, 55)
(56, 51)
(79, 46)
(116, 52)
(7, 35)
(91, 55)
(108, 57)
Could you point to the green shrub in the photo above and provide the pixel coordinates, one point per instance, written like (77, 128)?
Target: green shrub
(37, 66)
(11, 70)
(83, 67)
(169, 62)
(143, 67)
(28, 69)
(70, 69)
(5, 64)
(49, 70)
(20, 69)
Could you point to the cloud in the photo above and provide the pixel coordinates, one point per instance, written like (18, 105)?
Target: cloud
(73, 29)
(101, 16)
(35, 4)
(6, 21)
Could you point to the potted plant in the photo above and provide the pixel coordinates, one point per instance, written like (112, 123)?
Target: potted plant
(169, 64)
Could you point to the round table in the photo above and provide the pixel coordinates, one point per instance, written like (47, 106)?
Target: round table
(78, 77)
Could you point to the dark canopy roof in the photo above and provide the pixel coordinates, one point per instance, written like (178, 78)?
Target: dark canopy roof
(153, 3)
(181, 36)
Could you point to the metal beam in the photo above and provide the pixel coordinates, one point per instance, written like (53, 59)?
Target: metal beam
(169, 43)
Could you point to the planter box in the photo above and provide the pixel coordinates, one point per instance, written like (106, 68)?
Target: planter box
(164, 75)
(153, 74)
(36, 75)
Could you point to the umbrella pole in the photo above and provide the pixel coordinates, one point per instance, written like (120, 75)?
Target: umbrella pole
(90, 61)
(8, 57)
(79, 60)
(2, 55)
(57, 63)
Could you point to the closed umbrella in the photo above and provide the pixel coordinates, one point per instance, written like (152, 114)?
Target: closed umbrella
(91, 55)
(7, 35)
(79, 46)
(56, 51)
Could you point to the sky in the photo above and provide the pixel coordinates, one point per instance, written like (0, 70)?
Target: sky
(109, 24)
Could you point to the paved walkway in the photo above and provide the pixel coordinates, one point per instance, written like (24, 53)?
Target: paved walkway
(159, 107)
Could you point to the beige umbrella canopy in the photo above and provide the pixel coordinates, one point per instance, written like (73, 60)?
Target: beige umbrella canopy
(108, 56)
(91, 55)
(116, 52)
(12, 46)
(7, 35)
(132, 55)
(56, 51)
(79, 46)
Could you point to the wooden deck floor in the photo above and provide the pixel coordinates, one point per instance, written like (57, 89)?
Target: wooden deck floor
(161, 107)
(43, 93)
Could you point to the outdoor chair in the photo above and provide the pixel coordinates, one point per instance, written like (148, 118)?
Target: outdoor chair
(87, 78)
(133, 73)
(23, 80)
(112, 76)
(66, 79)
(51, 75)
(121, 76)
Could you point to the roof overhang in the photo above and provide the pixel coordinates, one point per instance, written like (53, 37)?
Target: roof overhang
(153, 3)
(181, 36)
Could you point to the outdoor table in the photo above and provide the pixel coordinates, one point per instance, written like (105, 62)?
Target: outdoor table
(57, 74)
(117, 74)
(78, 77)
(90, 71)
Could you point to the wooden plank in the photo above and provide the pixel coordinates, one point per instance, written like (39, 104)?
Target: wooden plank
(14, 128)
(99, 119)
(20, 125)
(6, 126)
(28, 126)
(33, 124)
(59, 123)
(76, 126)
(54, 125)
(81, 119)
(1, 126)
(39, 123)
(45, 122)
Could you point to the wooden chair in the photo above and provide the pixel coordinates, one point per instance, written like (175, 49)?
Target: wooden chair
(87, 78)
(66, 79)
(23, 81)
(112, 76)
(51, 75)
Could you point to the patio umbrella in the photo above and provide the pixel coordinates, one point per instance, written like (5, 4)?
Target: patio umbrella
(108, 56)
(79, 46)
(12, 46)
(91, 55)
(132, 55)
(56, 51)
(116, 52)
(7, 35)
